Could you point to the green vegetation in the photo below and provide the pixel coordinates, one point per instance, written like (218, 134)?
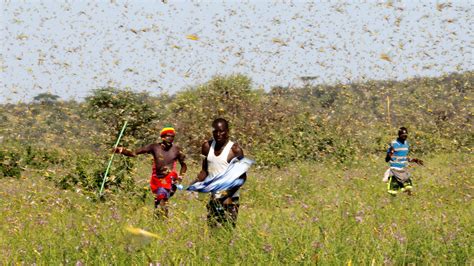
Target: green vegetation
(314, 196)
(111, 107)
(307, 213)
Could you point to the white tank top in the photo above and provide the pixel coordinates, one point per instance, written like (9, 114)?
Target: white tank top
(218, 164)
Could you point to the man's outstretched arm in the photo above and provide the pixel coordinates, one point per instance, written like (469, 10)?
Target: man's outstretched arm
(130, 153)
(415, 160)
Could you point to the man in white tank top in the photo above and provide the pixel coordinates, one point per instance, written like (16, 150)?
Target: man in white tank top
(223, 206)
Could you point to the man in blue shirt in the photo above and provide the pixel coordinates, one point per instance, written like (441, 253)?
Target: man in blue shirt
(397, 156)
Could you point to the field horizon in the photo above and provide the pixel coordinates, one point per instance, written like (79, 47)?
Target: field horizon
(315, 195)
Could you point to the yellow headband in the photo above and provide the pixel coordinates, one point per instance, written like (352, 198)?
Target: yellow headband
(167, 130)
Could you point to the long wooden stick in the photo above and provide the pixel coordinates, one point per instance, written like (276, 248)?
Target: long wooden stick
(388, 111)
(111, 159)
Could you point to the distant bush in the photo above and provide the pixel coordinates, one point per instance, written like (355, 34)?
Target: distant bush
(9, 164)
(232, 97)
(87, 173)
(67, 169)
(112, 107)
(16, 156)
(42, 158)
(46, 98)
(321, 122)
(305, 138)
(314, 122)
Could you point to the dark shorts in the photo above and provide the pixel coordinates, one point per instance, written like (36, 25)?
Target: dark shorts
(219, 213)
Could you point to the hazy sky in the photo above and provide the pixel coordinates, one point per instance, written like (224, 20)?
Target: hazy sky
(69, 48)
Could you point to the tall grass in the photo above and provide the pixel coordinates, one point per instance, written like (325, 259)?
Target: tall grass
(303, 214)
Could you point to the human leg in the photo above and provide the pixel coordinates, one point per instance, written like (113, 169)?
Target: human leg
(161, 202)
(407, 187)
(231, 211)
(394, 186)
(223, 211)
(215, 212)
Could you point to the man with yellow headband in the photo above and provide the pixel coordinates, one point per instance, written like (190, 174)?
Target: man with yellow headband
(164, 173)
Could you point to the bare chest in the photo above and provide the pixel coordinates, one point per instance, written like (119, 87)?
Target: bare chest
(165, 157)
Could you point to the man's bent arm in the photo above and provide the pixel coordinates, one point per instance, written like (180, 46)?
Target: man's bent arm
(203, 173)
(184, 166)
(238, 152)
(204, 151)
(390, 152)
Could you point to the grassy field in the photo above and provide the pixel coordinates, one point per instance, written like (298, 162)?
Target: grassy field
(327, 214)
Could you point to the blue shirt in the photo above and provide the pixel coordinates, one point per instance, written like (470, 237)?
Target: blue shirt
(400, 156)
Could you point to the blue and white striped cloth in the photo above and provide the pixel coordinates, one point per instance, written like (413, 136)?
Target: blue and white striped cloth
(399, 158)
(224, 181)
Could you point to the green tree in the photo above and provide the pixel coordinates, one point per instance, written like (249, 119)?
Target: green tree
(112, 107)
(46, 98)
(230, 97)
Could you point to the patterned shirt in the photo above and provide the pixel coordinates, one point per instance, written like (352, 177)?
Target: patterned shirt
(399, 158)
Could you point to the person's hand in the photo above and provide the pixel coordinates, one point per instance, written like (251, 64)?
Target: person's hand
(418, 161)
(179, 187)
(201, 176)
(118, 150)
